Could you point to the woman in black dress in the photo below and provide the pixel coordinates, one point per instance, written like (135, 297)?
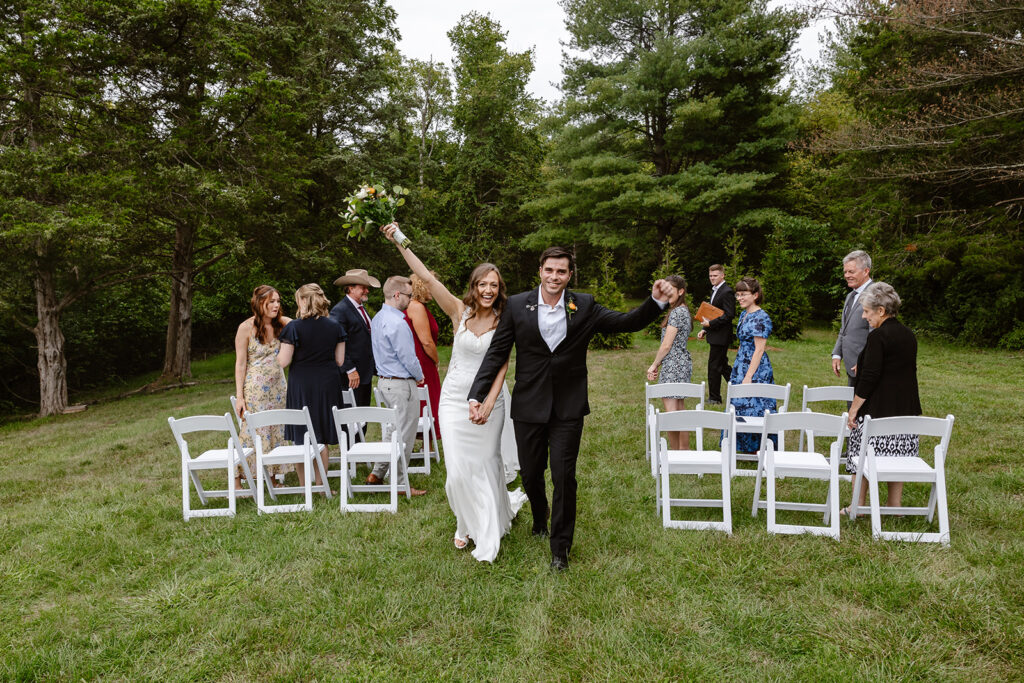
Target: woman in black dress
(314, 346)
(886, 383)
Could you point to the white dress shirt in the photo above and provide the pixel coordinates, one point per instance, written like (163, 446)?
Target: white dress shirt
(551, 320)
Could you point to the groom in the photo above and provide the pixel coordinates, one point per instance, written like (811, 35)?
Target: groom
(551, 328)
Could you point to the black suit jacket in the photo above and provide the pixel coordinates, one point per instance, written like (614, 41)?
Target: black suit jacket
(887, 372)
(552, 382)
(719, 330)
(358, 352)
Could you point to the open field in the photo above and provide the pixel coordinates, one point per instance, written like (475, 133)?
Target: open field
(101, 578)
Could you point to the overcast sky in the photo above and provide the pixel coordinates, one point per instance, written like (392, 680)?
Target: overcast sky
(537, 24)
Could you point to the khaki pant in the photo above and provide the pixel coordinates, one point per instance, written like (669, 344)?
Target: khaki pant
(401, 394)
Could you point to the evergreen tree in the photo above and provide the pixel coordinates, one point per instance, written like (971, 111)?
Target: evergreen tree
(675, 125)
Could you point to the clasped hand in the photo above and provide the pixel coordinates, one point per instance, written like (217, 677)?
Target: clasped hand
(479, 412)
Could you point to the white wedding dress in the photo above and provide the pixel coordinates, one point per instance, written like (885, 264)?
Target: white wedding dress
(476, 484)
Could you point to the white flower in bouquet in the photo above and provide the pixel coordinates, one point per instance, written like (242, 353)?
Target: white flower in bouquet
(371, 207)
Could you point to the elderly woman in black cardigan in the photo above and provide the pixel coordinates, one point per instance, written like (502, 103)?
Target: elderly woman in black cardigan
(886, 383)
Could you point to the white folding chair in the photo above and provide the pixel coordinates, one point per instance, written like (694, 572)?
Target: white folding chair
(228, 458)
(904, 469)
(306, 453)
(697, 461)
(802, 464)
(247, 451)
(426, 432)
(378, 398)
(836, 393)
(673, 389)
(753, 424)
(388, 449)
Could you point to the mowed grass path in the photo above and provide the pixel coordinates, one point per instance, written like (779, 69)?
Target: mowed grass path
(101, 578)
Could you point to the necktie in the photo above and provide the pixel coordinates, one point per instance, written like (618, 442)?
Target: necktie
(849, 305)
(366, 318)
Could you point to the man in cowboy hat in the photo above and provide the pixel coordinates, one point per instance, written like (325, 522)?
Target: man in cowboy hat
(358, 371)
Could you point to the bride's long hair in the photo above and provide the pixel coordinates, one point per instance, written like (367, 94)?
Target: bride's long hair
(472, 297)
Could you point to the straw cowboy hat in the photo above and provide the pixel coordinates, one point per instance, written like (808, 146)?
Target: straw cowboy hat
(357, 276)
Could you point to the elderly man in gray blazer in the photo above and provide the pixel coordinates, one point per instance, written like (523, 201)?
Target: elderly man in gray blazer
(853, 329)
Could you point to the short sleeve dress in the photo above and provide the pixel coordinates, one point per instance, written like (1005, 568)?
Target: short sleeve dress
(750, 325)
(313, 378)
(677, 366)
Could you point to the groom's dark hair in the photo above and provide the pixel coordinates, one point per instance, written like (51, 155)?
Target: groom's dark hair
(558, 252)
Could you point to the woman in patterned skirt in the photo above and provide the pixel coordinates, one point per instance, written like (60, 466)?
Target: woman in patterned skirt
(673, 356)
(886, 382)
(259, 380)
(752, 364)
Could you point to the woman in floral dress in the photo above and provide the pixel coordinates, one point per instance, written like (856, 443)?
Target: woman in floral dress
(752, 365)
(259, 380)
(672, 357)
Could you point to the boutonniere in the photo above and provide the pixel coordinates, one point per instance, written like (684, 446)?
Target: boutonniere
(570, 306)
(531, 307)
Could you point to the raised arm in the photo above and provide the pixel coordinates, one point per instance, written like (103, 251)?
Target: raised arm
(449, 303)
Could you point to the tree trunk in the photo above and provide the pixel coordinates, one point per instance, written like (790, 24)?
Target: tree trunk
(53, 367)
(178, 351)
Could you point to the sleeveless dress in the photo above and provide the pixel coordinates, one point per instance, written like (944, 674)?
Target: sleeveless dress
(750, 325)
(430, 375)
(677, 366)
(483, 506)
(264, 389)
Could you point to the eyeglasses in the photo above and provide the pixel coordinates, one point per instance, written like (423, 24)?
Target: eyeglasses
(408, 294)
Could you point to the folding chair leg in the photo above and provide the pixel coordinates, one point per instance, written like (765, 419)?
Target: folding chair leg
(199, 487)
(858, 482)
(185, 494)
(931, 502)
(666, 497)
(231, 488)
(395, 474)
(757, 491)
(726, 498)
(940, 489)
(770, 484)
(876, 514)
(309, 480)
(832, 511)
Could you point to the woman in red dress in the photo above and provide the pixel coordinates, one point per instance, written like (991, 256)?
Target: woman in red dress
(424, 331)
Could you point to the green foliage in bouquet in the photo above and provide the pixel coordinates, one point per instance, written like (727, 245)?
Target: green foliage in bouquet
(370, 207)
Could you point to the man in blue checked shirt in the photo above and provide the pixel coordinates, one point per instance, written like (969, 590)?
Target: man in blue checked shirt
(398, 369)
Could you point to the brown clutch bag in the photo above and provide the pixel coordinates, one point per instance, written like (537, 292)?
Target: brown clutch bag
(708, 312)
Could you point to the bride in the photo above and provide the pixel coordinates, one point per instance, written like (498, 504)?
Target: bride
(476, 484)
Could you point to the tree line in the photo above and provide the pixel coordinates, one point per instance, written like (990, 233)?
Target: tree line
(160, 159)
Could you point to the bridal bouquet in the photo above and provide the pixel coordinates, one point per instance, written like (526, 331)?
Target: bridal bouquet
(372, 207)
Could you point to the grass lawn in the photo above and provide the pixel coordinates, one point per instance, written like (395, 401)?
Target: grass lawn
(101, 578)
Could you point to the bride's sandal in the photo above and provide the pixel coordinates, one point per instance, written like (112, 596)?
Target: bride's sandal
(460, 543)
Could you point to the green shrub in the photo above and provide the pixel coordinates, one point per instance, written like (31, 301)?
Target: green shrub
(607, 293)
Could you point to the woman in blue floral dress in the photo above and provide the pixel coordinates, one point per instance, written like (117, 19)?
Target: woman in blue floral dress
(752, 365)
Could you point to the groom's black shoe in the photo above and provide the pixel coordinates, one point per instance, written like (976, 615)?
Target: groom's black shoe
(559, 563)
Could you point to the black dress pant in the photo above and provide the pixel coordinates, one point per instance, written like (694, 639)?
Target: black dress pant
(561, 440)
(718, 369)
